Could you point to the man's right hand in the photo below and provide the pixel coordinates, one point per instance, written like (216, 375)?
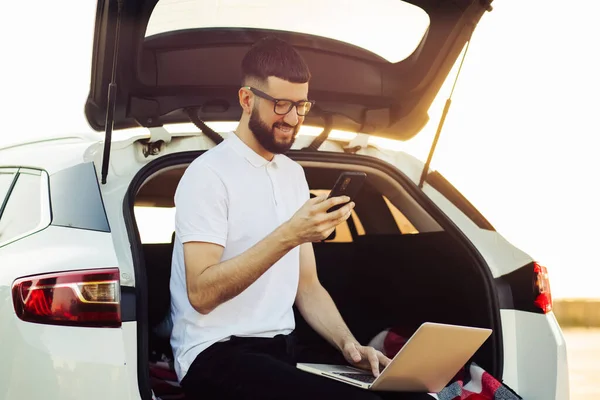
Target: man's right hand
(312, 222)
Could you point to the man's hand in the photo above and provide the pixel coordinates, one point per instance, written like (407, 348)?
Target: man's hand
(364, 357)
(312, 222)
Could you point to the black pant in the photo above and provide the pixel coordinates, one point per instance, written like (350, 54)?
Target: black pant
(265, 368)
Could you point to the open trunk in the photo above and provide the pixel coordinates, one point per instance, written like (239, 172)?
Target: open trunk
(397, 263)
(376, 66)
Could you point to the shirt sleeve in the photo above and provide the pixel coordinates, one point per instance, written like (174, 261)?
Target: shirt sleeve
(201, 207)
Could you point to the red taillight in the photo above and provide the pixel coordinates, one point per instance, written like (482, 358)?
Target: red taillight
(80, 298)
(541, 288)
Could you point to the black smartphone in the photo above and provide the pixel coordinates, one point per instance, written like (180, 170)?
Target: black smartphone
(347, 184)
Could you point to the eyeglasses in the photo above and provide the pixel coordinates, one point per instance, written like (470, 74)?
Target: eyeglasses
(284, 106)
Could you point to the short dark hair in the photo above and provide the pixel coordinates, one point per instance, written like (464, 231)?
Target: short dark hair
(272, 56)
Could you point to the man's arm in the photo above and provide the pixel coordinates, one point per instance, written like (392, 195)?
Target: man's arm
(316, 305)
(320, 312)
(211, 282)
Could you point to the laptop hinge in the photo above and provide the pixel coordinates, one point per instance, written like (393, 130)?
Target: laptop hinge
(112, 97)
(425, 171)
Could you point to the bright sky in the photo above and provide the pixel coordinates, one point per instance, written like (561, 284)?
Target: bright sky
(520, 140)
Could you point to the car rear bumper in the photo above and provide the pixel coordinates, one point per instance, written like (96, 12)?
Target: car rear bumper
(535, 355)
(66, 363)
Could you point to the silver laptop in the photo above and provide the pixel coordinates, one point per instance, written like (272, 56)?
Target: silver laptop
(426, 363)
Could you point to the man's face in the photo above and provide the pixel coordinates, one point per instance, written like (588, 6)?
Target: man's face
(277, 133)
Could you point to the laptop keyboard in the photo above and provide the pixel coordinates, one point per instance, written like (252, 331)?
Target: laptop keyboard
(366, 378)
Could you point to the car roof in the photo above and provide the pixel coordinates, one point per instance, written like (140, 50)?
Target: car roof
(51, 154)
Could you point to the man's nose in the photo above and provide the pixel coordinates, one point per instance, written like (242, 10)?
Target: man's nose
(292, 118)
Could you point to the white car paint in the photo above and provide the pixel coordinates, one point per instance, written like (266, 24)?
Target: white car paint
(71, 360)
(65, 361)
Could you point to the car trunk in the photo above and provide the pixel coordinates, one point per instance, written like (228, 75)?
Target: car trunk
(376, 66)
(398, 263)
(186, 69)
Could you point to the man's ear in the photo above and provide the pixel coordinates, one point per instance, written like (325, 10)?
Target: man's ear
(246, 100)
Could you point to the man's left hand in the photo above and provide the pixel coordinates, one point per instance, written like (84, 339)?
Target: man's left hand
(364, 357)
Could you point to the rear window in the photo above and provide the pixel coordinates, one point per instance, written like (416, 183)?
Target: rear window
(76, 199)
(442, 185)
(392, 29)
(404, 224)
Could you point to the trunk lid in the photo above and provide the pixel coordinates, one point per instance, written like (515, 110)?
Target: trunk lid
(376, 66)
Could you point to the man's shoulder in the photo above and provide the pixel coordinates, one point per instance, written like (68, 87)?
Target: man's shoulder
(211, 159)
(205, 170)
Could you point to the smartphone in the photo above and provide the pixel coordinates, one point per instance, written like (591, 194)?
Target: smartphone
(347, 184)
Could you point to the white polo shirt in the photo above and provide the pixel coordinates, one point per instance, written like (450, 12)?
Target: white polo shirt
(233, 197)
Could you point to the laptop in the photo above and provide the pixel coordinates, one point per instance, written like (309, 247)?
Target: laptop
(426, 363)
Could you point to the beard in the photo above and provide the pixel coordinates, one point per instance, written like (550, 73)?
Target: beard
(266, 136)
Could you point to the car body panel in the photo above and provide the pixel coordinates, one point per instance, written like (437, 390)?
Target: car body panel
(64, 360)
(535, 355)
(64, 369)
(42, 154)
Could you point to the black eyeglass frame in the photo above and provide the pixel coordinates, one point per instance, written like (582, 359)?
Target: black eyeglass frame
(263, 95)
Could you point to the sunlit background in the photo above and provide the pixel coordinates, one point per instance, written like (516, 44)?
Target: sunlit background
(520, 140)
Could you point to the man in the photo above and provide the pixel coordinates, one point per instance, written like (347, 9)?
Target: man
(243, 254)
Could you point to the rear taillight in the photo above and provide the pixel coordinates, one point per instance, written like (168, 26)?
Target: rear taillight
(541, 288)
(80, 298)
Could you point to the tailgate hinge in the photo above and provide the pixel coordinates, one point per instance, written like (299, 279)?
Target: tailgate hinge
(158, 136)
(360, 141)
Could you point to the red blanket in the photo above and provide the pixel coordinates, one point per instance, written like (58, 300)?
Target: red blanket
(470, 383)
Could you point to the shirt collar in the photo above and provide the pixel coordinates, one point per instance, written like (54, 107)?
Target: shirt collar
(244, 150)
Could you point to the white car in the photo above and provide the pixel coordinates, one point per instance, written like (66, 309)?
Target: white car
(86, 222)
